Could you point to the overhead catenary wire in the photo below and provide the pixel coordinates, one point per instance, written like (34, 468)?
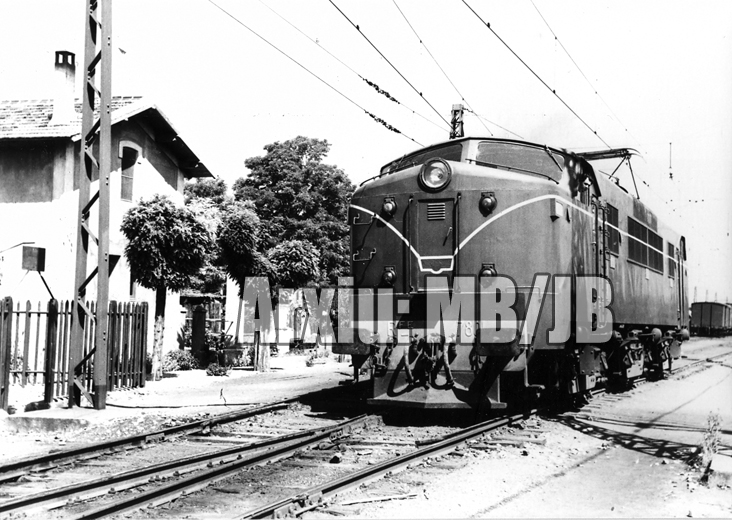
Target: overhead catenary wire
(494, 124)
(594, 89)
(447, 77)
(377, 119)
(389, 62)
(370, 83)
(553, 91)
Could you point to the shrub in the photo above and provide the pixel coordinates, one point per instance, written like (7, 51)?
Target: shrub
(179, 360)
(316, 354)
(214, 369)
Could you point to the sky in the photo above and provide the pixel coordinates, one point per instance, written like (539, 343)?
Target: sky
(654, 75)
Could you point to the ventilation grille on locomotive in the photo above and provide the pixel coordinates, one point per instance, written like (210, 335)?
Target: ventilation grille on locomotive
(436, 211)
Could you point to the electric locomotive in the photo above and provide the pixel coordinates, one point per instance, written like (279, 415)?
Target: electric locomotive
(506, 209)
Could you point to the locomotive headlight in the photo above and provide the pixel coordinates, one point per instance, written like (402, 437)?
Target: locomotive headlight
(389, 206)
(487, 271)
(388, 277)
(487, 203)
(435, 175)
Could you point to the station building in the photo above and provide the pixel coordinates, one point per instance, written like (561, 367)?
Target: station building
(39, 164)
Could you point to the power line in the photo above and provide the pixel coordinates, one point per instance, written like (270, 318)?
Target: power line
(390, 63)
(377, 119)
(438, 65)
(494, 124)
(583, 74)
(488, 25)
(370, 83)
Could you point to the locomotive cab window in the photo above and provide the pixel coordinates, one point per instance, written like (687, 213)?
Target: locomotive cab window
(450, 152)
(613, 233)
(526, 159)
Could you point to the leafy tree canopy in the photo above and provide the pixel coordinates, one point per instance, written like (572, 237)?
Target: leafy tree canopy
(295, 262)
(213, 189)
(297, 197)
(238, 241)
(212, 276)
(166, 244)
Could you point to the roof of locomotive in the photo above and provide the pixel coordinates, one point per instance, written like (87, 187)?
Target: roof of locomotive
(385, 169)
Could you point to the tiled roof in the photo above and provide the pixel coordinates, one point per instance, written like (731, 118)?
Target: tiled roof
(22, 119)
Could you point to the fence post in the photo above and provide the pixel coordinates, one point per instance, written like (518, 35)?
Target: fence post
(143, 344)
(6, 346)
(113, 344)
(49, 379)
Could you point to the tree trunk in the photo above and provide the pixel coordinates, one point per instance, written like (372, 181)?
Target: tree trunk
(157, 353)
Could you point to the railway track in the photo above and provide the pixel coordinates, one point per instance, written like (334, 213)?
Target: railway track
(21, 467)
(165, 482)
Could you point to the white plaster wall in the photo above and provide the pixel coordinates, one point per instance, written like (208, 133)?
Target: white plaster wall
(53, 226)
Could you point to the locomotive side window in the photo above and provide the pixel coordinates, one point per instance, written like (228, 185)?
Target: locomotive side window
(637, 249)
(645, 247)
(671, 263)
(655, 251)
(614, 235)
(523, 158)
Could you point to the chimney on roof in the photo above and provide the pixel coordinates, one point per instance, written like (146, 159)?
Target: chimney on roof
(65, 83)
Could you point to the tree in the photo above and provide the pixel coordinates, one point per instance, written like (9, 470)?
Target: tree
(211, 278)
(206, 197)
(213, 189)
(166, 246)
(238, 240)
(295, 263)
(297, 197)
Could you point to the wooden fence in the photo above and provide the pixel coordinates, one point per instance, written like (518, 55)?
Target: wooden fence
(34, 347)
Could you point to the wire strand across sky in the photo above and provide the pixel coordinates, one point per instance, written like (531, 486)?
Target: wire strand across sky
(375, 118)
(390, 63)
(317, 43)
(488, 26)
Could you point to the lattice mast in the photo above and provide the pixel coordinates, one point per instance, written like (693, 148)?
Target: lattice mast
(456, 122)
(96, 162)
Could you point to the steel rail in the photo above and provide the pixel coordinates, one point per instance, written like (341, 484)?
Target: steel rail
(48, 461)
(317, 495)
(201, 480)
(58, 497)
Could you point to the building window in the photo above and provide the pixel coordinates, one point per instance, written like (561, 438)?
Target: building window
(613, 234)
(645, 247)
(129, 159)
(671, 260)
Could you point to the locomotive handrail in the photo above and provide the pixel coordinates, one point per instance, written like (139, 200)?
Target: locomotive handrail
(407, 224)
(457, 233)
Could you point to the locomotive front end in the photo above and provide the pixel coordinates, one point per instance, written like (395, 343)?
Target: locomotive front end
(432, 232)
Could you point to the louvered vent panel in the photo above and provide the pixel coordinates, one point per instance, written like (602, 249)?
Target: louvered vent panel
(436, 211)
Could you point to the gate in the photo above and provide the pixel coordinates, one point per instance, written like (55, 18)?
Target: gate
(34, 349)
